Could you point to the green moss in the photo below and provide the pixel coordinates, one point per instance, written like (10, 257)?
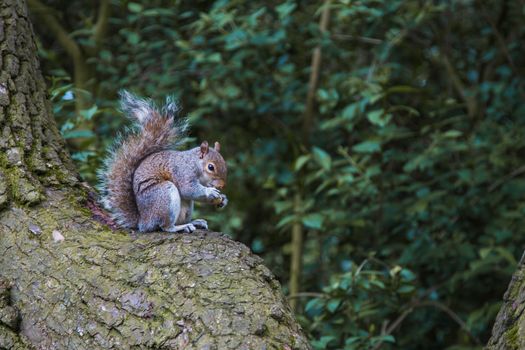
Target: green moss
(11, 176)
(3, 160)
(34, 162)
(516, 287)
(21, 189)
(62, 176)
(512, 337)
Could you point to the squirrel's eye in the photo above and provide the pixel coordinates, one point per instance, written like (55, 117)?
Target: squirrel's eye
(211, 167)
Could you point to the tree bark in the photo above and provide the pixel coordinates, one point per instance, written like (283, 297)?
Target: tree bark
(509, 329)
(69, 282)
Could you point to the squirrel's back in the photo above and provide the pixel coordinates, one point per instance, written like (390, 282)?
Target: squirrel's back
(153, 130)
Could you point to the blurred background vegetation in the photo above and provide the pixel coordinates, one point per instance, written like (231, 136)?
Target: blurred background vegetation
(375, 147)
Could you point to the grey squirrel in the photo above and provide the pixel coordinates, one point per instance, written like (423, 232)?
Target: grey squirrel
(148, 184)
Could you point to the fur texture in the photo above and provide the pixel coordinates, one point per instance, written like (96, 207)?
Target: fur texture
(167, 183)
(153, 131)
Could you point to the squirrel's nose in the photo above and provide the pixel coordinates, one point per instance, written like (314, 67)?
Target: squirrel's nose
(220, 185)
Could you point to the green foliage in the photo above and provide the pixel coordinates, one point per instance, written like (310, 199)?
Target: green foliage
(414, 162)
(350, 312)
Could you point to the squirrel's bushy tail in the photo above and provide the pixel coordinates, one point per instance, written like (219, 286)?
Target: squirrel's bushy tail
(153, 130)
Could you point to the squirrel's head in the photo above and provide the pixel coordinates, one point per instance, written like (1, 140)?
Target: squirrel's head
(214, 171)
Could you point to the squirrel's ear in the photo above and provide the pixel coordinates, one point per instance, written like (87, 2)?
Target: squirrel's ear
(204, 148)
(217, 146)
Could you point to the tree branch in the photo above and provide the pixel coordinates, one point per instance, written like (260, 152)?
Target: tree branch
(100, 28)
(417, 304)
(363, 39)
(507, 177)
(470, 100)
(81, 69)
(502, 44)
(297, 229)
(45, 12)
(296, 263)
(314, 74)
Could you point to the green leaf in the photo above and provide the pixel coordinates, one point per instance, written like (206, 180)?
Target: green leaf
(395, 270)
(323, 158)
(281, 206)
(135, 7)
(231, 91)
(285, 221)
(323, 342)
(333, 304)
(285, 9)
(407, 275)
(68, 125)
(352, 340)
(387, 338)
(350, 111)
(82, 156)
(378, 117)
(105, 55)
(452, 134)
(301, 161)
(370, 146)
(505, 253)
(314, 221)
(406, 289)
(133, 38)
(313, 304)
(378, 283)
(89, 113)
(216, 58)
(74, 134)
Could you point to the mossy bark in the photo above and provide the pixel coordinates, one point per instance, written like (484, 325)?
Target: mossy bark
(32, 153)
(68, 282)
(74, 284)
(509, 329)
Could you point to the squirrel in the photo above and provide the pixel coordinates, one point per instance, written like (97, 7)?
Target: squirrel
(147, 184)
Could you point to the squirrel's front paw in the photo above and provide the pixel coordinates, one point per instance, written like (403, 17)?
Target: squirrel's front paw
(223, 202)
(213, 193)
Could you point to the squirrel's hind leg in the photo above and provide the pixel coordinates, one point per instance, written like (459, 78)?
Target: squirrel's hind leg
(160, 206)
(186, 213)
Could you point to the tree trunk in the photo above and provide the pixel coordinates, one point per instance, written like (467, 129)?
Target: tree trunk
(509, 329)
(67, 281)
